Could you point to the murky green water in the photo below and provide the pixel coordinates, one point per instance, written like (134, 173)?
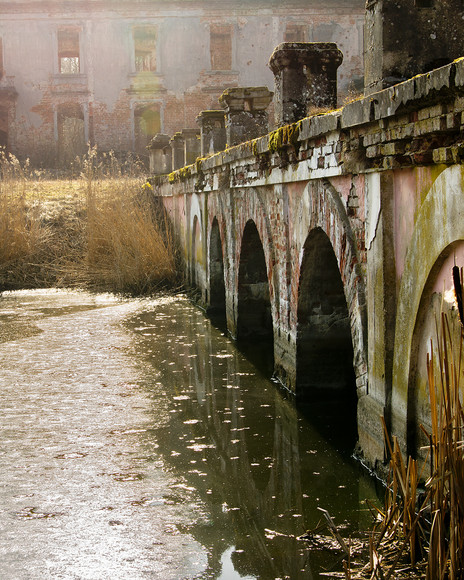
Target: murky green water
(137, 442)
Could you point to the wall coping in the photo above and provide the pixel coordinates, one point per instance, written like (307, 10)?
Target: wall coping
(421, 93)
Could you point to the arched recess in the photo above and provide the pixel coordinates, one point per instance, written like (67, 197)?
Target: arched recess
(325, 378)
(322, 210)
(324, 346)
(217, 288)
(254, 320)
(438, 233)
(437, 297)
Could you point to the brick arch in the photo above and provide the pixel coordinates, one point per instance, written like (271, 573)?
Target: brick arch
(256, 211)
(438, 231)
(196, 247)
(216, 273)
(322, 208)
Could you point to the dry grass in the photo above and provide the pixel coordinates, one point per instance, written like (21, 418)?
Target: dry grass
(101, 230)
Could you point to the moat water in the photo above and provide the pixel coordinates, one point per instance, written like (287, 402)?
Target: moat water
(137, 442)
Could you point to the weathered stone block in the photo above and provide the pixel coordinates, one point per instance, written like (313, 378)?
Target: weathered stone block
(305, 77)
(246, 113)
(212, 132)
(355, 113)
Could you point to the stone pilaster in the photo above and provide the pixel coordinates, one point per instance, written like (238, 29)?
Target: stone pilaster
(178, 152)
(212, 131)
(246, 113)
(160, 154)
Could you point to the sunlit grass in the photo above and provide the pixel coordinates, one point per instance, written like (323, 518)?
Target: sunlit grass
(101, 230)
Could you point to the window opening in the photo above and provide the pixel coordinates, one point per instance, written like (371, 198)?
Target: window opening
(295, 33)
(145, 49)
(68, 51)
(221, 47)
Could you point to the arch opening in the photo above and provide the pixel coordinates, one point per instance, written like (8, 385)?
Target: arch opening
(325, 377)
(254, 318)
(217, 288)
(437, 297)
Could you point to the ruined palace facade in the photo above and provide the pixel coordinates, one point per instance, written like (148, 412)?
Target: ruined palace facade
(116, 72)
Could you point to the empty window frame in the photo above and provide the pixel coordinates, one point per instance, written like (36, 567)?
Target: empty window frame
(221, 46)
(295, 32)
(144, 48)
(68, 51)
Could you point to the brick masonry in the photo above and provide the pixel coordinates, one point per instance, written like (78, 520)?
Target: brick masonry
(382, 179)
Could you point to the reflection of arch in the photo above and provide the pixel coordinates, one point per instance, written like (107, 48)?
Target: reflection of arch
(439, 225)
(254, 320)
(322, 208)
(324, 348)
(217, 289)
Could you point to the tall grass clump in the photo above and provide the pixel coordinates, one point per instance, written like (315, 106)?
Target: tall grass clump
(101, 230)
(420, 531)
(128, 240)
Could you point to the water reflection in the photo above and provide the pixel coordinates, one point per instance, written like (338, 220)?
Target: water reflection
(260, 467)
(137, 442)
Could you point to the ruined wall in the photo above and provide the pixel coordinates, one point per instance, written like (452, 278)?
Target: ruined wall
(119, 72)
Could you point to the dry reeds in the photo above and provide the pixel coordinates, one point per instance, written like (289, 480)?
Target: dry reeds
(102, 230)
(420, 532)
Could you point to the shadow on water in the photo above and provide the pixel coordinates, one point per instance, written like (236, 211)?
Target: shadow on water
(259, 467)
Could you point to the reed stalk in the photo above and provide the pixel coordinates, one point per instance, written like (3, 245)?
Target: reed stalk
(420, 531)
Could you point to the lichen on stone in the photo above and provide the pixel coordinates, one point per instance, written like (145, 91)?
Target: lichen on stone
(285, 136)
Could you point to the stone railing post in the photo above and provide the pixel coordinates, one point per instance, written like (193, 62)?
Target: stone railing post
(160, 154)
(212, 131)
(178, 153)
(246, 113)
(305, 77)
(191, 139)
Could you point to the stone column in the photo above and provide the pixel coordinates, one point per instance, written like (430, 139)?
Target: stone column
(191, 139)
(305, 78)
(212, 132)
(403, 39)
(160, 154)
(246, 115)
(178, 153)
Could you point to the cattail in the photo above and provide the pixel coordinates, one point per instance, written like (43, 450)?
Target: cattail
(458, 292)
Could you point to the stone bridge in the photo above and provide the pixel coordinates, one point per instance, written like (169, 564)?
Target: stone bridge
(332, 239)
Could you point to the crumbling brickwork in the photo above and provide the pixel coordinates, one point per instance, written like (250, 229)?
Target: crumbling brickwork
(133, 69)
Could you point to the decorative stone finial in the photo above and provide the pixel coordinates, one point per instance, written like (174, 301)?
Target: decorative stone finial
(305, 77)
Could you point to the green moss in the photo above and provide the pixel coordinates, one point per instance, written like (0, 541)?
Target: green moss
(181, 174)
(284, 137)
